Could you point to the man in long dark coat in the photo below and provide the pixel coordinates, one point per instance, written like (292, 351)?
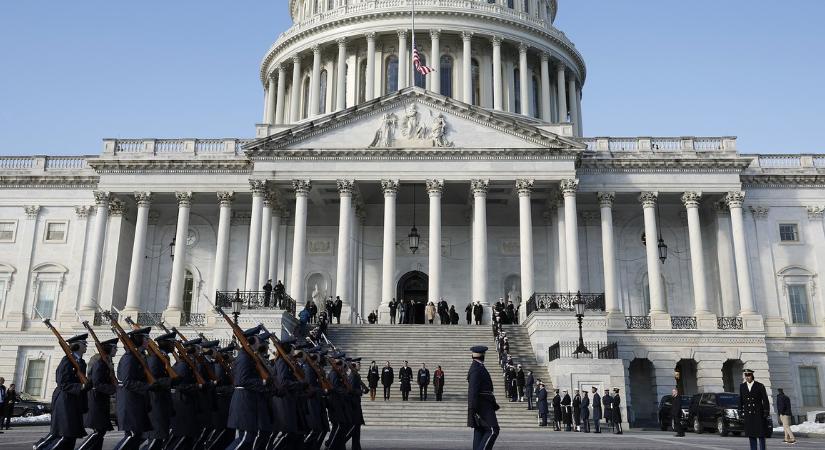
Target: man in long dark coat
(133, 394)
(354, 398)
(597, 410)
(584, 413)
(481, 402)
(616, 412)
(405, 375)
(267, 293)
(557, 413)
(607, 402)
(337, 306)
(542, 404)
(529, 390)
(393, 309)
(577, 402)
(567, 412)
(423, 380)
(162, 410)
(185, 397)
(755, 409)
(478, 313)
(469, 312)
(387, 378)
(222, 436)
(676, 413)
(99, 397)
(249, 410)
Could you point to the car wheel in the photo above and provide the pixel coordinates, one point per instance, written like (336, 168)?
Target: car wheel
(697, 426)
(721, 428)
(28, 413)
(737, 433)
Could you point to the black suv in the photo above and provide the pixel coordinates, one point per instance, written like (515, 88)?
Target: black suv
(28, 406)
(665, 420)
(719, 412)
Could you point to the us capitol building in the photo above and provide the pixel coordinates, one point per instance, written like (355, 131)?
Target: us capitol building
(367, 180)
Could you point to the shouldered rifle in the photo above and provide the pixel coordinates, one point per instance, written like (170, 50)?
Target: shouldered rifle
(153, 347)
(324, 336)
(219, 358)
(130, 346)
(263, 372)
(199, 358)
(299, 374)
(101, 351)
(67, 350)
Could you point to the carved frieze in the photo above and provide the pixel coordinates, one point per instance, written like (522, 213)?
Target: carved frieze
(409, 131)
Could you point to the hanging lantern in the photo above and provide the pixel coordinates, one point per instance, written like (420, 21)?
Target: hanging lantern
(172, 248)
(414, 237)
(662, 250)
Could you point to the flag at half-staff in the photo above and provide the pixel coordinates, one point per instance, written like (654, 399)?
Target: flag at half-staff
(420, 68)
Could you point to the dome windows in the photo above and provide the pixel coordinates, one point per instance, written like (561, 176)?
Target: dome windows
(446, 74)
(391, 74)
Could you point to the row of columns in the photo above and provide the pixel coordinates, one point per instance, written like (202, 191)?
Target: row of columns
(567, 89)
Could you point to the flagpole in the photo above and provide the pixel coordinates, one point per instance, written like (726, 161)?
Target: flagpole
(412, 47)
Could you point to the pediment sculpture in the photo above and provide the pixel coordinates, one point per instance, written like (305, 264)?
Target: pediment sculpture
(409, 132)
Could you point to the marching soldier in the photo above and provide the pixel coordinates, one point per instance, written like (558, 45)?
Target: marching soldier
(206, 395)
(754, 408)
(316, 413)
(160, 398)
(185, 397)
(133, 393)
(481, 402)
(99, 397)
(387, 377)
(340, 414)
(287, 414)
(354, 397)
(222, 436)
(249, 408)
(405, 375)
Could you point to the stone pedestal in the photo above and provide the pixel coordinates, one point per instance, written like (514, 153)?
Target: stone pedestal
(616, 321)
(660, 321)
(706, 322)
(752, 322)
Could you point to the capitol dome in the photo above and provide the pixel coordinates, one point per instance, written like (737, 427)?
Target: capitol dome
(502, 55)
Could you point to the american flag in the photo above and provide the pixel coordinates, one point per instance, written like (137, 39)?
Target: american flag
(422, 69)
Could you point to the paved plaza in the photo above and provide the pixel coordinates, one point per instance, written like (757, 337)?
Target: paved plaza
(460, 438)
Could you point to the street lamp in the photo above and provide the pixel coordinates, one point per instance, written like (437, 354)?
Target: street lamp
(414, 236)
(237, 303)
(172, 248)
(580, 305)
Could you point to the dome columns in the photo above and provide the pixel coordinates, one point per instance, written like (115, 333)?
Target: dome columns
(466, 56)
(370, 84)
(497, 73)
(435, 59)
(341, 82)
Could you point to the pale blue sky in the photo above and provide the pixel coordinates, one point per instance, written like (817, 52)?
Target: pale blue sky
(72, 73)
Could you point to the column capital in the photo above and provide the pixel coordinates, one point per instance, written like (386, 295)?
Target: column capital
(82, 212)
(301, 187)
(479, 187)
(390, 187)
(524, 186)
(102, 197)
(117, 207)
(316, 49)
(648, 199)
(435, 187)
(258, 187)
(342, 42)
(691, 199)
(569, 187)
(497, 41)
(560, 66)
(144, 199)
(225, 198)
(281, 69)
(735, 199)
(370, 36)
(184, 199)
(402, 34)
(721, 208)
(522, 47)
(759, 212)
(606, 199)
(296, 60)
(345, 187)
(435, 34)
(31, 211)
(466, 35)
(545, 57)
(270, 199)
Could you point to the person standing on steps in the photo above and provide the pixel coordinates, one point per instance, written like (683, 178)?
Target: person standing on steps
(337, 306)
(607, 401)
(402, 311)
(585, 412)
(567, 412)
(405, 375)
(616, 417)
(597, 410)
(438, 382)
(267, 293)
(423, 382)
(453, 315)
(542, 404)
(469, 311)
(478, 313)
(528, 385)
(520, 382)
(280, 293)
(481, 402)
(372, 379)
(430, 313)
(393, 308)
(387, 377)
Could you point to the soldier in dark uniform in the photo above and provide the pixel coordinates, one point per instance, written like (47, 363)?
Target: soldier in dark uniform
(133, 394)
(616, 416)
(607, 401)
(755, 409)
(160, 398)
(207, 404)
(405, 375)
(186, 426)
(577, 409)
(597, 410)
(340, 412)
(481, 402)
(584, 412)
(542, 404)
(557, 416)
(354, 397)
(469, 312)
(372, 378)
(316, 414)
(529, 384)
(249, 410)
(453, 315)
(267, 293)
(68, 401)
(567, 413)
(393, 308)
(222, 436)
(423, 379)
(287, 410)
(99, 397)
(387, 377)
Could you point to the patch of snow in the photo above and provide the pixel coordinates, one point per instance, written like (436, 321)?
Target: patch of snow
(805, 427)
(43, 419)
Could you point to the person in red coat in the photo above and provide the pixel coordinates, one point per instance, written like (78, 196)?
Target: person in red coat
(438, 382)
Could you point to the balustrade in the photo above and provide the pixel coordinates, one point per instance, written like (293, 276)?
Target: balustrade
(255, 300)
(16, 163)
(780, 161)
(683, 323)
(599, 350)
(729, 323)
(564, 301)
(637, 322)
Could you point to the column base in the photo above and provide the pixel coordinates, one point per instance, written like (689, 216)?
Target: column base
(347, 315)
(384, 314)
(752, 322)
(173, 317)
(706, 321)
(775, 327)
(660, 321)
(616, 321)
(130, 312)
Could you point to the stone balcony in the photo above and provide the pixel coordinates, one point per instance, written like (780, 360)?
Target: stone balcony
(660, 144)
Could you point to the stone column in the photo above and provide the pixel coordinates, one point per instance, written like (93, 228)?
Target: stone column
(562, 92)
(435, 188)
(467, 67)
(611, 291)
(724, 253)
(561, 229)
(571, 235)
(525, 189)
(579, 121)
(572, 90)
(344, 265)
(523, 80)
(390, 188)
(175, 305)
(295, 102)
(299, 240)
(269, 110)
(479, 294)
(497, 73)
(435, 56)
(658, 309)
(370, 84)
(341, 85)
(740, 252)
(315, 83)
(253, 253)
(704, 318)
(222, 248)
(403, 68)
(274, 243)
(92, 276)
(266, 237)
(545, 87)
(144, 200)
(279, 103)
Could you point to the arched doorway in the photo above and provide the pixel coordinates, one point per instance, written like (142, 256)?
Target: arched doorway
(643, 402)
(688, 382)
(732, 374)
(412, 286)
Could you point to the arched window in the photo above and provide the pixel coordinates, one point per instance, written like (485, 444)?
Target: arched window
(511, 4)
(517, 90)
(306, 98)
(322, 93)
(362, 82)
(536, 97)
(527, 6)
(446, 74)
(421, 80)
(391, 74)
(475, 73)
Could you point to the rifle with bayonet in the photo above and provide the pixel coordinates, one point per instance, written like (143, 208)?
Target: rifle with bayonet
(153, 347)
(219, 358)
(299, 374)
(199, 358)
(67, 350)
(260, 367)
(107, 358)
(130, 346)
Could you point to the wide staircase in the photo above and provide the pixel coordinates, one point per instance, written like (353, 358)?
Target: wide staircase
(444, 345)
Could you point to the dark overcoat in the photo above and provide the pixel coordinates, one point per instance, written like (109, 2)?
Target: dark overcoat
(616, 416)
(132, 396)
(597, 407)
(481, 403)
(567, 413)
(316, 413)
(423, 377)
(68, 401)
(288, 411)
(372, 377)
(223, 397)
(186, 401)
(98, 417)
(250, 399)
(387, 376)
(405, 374)
(339, 408)
(585, 410)
(354, 398)
(754, 408)
(162, 411)
(541, 402)
(557, 408)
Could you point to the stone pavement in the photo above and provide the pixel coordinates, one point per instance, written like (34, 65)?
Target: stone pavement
(461, 438)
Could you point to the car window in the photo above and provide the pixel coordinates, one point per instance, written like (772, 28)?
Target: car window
(25, 396)
(707, 399)
(728, 400)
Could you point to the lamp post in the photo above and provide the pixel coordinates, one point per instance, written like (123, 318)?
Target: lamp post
(580, 304)
(413, 236)
(172, 248)
(237, 303)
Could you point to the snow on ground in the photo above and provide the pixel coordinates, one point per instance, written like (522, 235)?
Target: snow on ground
(805, 427)
(43, 419)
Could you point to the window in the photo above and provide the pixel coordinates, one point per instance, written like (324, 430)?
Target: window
(330, 4)
(8, 229)
(475, 72)
(536, 97)
(46, 297)
(511, 4)
(391, 77)
(421, 79)
(517, 90)
(788, 232)
(35, 369)
(322, 93)
(446, 75)
(362, 82)
(809, 386)
(306, 98)
(798, 296)
(527, 6)
(55, 232)
(188, 284)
